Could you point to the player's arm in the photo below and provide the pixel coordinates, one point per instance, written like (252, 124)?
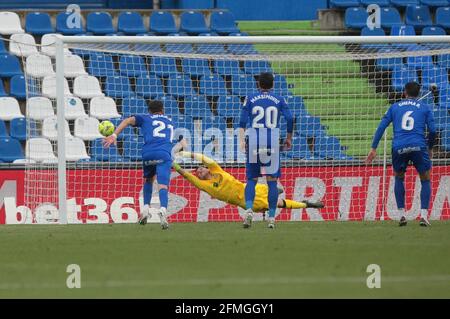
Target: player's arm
(431, 131)
(290, 123)
(112, 139)
(243, 124)
(194, 180)
(209, 162)
(385, 121)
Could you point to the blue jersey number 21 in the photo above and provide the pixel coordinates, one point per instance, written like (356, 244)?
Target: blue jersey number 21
(160, 126)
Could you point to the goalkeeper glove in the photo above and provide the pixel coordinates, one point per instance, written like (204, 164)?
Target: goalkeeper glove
(176, 166)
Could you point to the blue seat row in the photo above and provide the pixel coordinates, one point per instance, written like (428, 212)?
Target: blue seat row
(385, 3)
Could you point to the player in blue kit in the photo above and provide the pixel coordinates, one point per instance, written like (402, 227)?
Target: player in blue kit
(410, 118)
(262, 112)
(156, 155)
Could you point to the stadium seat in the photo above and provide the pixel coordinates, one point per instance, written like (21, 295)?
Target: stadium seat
(11, 150)
(48, 47)
(2, 89)
(38, 23)
(401, 75)
(9, 108)
(446, 140)
(39, 107)
(103, 108)
(183, 127)
(443, 17)
(86, 128)
(180, 85)
(118, 87)
(134, 105)
(163, 66)
(329, 147)
(193, 23)
(73, 108)
(197, 105)
(229, 106)
(39, 66)
(242, 49)
(404, 3)
(179, 48)
(444, 60)
(211, 48)
(300, 149)
(147, 48)
(170, 105)
(419, 62)
(309, 126)
(388, 63)
(40, 150)
(366, 31)
(132, 66)
(280, 85)
(99, 23)
(344, 3)
(296, 105)
(9, 66)
(162, 22)
(418, 16)
(441, 117)
(356, 18)
(10, 23)
(22, 44)
(101, 64)
(381, 3)
(50, 130)
(223, 22)
(149, 86)
(18, 87)
(76, 150)
(444, 98)
(132, 148)
(73, 66)
(87, 87)
(49, 87)
(69, 23)
(390, 17)
(130, 23)
(2, 46)
(402, 30)
(435, 3)
(212, 85)
(435, 75)
(3, 132)
(100, 153)
(227, 67)
(196, 67)
(257, 67)
(242, 85)
(433, 31)
(18, 128)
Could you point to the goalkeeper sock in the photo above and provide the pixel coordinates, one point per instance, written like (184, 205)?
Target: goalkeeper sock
(163, 197)
(399, 190)
(292, 204)
(250, 193)
(425, 194)
(148, 190)
(273, 197)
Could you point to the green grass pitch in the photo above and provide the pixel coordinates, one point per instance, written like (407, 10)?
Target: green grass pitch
(223, 260)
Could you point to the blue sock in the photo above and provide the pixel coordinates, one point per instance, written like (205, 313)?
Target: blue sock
(273, 197)
(163, 197)
(425, 194)
(148, 190)
(399, 190)
(250, 193)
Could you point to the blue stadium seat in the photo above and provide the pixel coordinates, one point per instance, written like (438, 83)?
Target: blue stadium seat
(134, 105)
(309, 126)
(381, 3)
(404, 3)
(197, 106)
(182, 124)
(401, 75)
(300, 149)
(418, 16)
(344, 3)
(229, 106)
(102, 154)
(329, 147)
(99, 23)
(242, 49)
(11, 150)
(18, 129)
(132, 66)
(441, 117)
(257, 67)
(419, 62)
(129, 130)
(101, 64)
(402, 30)
(193, 23)
(444, 60)
(196, 67)
(227, 67)
(118, 87)
(443, 17)
(67, 24)
(356, 18)
(147, 47)
(223, 22)
(390, 17)
(212, 85)
(3, 132)
(130, 23)
(296, 105)
(435, 75)
(388, 63)
(211, 48)
(162, 22)
(433, 31)
(242, 85)
(435, 3)
(374, 32)
(3, 49)
(179, 48)
(132, 148)
(180, 85)
(38, 23)
(9, 66)
(18, 87)
(163, 67)
(444, 98)
(149, 86)
(280, 85)
(170, 105)
(2, 89)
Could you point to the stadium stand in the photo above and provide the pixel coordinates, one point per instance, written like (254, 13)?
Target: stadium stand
(11, 149)
(356, 18)
(162, 22)
(9, 108)
(344, 3)
(99, 23)
(130, 23)
(443, 17)
(73, 108)
(63, 27)
(38, 108)
(223, 23)
(193, 23)
(418, 16)
(10, 23)
(38, 23)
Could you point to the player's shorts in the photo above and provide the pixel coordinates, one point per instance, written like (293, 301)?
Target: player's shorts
(159, 164)
(257, 166)
(418, 156)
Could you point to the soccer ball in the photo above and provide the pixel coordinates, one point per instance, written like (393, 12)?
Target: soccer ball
(106, 128)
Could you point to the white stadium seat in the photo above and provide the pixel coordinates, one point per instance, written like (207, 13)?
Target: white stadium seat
(49, 87)
(10, 23)
(86, 128)
(40, 150)
(24, 161)
(103, 107)
(73, 66)
(48, 47)
(73, 108)
(9, 109)
(39, 108)
(87, 87)
(39, 66)
(75, 149)
(50, 129)
(22, 44)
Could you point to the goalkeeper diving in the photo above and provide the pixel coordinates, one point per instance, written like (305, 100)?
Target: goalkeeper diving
(212, 179)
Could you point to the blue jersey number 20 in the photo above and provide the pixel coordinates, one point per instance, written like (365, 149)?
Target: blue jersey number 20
(270, 115)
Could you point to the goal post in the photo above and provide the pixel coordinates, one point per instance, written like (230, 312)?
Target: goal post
(337, 87)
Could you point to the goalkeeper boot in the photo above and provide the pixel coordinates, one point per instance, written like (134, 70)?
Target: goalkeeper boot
(271, 224)
(145, 214)
(248, 218)
(163, 218)
(313, 204)
(402, 221)
(424, 222)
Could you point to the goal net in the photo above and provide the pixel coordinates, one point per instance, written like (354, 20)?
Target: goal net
(336, 90)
